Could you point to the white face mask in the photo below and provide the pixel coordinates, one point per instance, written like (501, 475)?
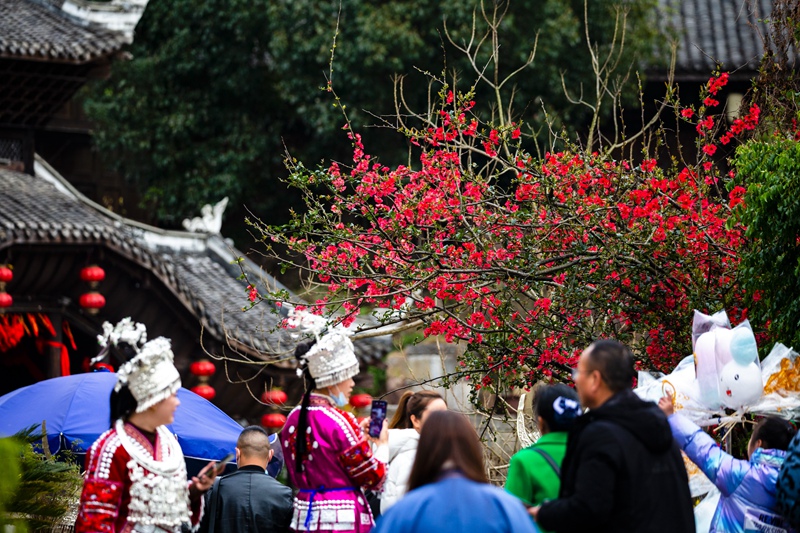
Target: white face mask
(339, 399)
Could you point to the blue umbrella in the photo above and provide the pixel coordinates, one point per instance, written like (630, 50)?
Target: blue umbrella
(76, 410)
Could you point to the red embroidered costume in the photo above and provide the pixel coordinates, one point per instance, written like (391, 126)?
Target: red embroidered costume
(133, 485)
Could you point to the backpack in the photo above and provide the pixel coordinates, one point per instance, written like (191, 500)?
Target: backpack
(787, 492)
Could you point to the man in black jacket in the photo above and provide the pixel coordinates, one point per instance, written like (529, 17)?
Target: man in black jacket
(248, 500)
(622, 471)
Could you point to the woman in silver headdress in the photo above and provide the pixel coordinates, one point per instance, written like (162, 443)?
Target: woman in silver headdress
(135, 479)
(329, 458)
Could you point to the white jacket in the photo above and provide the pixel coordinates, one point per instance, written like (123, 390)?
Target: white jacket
(402, 451)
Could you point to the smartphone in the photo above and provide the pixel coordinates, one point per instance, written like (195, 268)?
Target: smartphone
(220, 465)
(376, 418)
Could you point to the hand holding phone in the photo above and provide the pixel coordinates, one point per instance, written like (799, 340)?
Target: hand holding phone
(220, 465)
(376, 418)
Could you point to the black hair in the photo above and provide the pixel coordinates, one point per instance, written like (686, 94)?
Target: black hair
(254, 441)
(558, 405)
(123, 404)
(614, 360)
(302, 419)
(775, 433)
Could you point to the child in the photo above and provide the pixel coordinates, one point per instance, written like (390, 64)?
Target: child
(534, 473)
(747, 500)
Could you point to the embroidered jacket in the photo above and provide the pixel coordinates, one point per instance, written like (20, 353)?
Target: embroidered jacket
(129, 481)
(338, 465)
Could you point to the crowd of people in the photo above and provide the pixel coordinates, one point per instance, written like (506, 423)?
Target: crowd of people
(606, 461)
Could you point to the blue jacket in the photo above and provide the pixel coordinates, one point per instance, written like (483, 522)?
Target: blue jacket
(456, 504)
(747, 488)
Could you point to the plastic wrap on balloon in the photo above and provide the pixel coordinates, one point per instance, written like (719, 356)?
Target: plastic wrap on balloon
(726, 361)
(781, 376)
(681, 385)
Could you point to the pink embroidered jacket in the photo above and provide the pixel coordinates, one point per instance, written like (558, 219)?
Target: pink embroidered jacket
(106, 497)
(338, 465)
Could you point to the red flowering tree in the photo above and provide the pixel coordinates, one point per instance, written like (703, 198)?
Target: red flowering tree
(527, 259)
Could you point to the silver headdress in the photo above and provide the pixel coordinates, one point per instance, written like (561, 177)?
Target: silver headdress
(332, 359)
(125, 331)
(150, 375)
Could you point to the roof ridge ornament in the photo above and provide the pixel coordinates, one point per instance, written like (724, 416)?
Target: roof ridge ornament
(210, 219)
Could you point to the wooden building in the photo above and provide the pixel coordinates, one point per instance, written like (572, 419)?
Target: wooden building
(181, 285)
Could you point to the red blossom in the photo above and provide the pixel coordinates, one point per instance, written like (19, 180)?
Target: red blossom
(252, 293)
(715, 84)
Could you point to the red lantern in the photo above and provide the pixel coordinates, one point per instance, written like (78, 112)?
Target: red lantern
(202, 368)
(205, 391)
(5, 300)
(274, 397)
(92, 301)
(360, 400)
(273, 420)
(93, 274)
(6, 274)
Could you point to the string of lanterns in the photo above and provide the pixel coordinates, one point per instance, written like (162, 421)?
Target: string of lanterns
(92, 301)
(203, 369)
(274, 398)
(6, 275)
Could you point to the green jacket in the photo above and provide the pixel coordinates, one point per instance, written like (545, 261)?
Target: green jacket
(530, 477)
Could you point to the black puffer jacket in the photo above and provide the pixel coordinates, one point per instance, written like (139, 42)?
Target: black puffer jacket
(622, 472)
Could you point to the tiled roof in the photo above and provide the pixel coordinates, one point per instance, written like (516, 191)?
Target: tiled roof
(35, 29)
(717, 31)
(35, 211)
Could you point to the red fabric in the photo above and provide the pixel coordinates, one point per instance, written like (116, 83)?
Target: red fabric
(41, 344)
(106, 494)
(361, 467)
(100, 504)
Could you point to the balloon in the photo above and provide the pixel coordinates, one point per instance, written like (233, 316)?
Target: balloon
(723, 347)
(707, 376)
(740, 384)
(743, 346)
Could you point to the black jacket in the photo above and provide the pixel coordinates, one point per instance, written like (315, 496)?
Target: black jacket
(622, 472)
(250, 501)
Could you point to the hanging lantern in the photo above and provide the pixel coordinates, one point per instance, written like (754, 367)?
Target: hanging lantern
(93, 275)
(274, 397)
(204, 391)
(6, 275)
(92, 302)
(360, 400)
(273, 420)
(202, 368)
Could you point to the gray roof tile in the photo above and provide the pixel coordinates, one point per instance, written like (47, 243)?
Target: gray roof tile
(717, 31)
(30, 29)
(33, 211)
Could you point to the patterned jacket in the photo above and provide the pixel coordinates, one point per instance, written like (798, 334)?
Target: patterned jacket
(130, 482)
(338, 465)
